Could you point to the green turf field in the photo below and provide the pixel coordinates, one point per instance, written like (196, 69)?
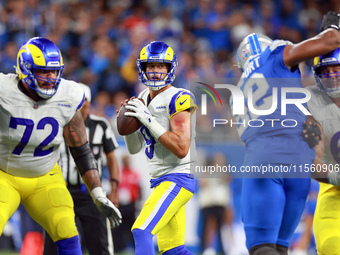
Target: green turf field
(8, 253)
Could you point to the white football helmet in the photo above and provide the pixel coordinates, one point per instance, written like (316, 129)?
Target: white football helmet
(250, 46)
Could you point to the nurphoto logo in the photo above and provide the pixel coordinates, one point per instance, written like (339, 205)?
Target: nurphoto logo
(238, 100)
(253, 102)
(204, 97)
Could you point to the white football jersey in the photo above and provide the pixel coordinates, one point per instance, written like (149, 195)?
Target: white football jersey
(31, 132)
(169, 102)
(327, 114)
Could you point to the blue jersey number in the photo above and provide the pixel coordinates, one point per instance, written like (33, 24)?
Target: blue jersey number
(14, 122)
(150, 142)
(258, 86)
(335, 149)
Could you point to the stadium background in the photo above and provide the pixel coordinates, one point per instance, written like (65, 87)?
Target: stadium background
(100, 41)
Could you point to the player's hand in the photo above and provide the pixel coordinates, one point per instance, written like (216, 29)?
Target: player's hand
(140, 111)
(311, 133)
(124, 102)
(106, 207)
(330, 20)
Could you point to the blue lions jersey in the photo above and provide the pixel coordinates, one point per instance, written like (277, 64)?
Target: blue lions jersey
(265, 77)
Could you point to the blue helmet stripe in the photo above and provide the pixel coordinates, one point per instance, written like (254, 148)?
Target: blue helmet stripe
(255, 45)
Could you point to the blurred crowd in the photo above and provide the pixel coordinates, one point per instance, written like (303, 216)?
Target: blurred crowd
(100, 40)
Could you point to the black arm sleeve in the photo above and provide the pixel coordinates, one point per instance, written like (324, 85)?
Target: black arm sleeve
(84, 159)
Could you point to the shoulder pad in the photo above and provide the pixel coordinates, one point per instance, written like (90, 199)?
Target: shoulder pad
(318, 98)
(72, 92)
(181, 101)
(277, 43)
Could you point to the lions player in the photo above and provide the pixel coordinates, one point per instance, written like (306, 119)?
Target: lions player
(168, 132)
(38, 107)
(324, 105)
(271, 207)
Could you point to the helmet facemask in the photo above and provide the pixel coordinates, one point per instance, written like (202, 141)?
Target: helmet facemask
(328, 82)
(51, 84)
(158, 83)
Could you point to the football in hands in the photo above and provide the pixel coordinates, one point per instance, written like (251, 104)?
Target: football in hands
(126, 125)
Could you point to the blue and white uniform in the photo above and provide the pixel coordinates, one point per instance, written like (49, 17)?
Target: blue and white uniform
(271, 207)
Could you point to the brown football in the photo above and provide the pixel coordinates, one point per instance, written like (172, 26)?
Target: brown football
(126, 125)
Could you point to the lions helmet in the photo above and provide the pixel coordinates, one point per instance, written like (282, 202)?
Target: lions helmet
(157, 52)
(328, 82)
(251, 45)
(39, 54)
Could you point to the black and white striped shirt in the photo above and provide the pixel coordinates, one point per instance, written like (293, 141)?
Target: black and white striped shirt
(101, 140)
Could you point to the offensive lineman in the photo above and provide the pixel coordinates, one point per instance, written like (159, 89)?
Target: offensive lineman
(37, 108)
(168, 132)
(324, 106)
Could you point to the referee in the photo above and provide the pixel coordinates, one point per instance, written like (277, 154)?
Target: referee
(96, 228)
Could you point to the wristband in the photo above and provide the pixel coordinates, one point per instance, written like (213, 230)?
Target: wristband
(156, 129)
(114, 180)
(333, 26)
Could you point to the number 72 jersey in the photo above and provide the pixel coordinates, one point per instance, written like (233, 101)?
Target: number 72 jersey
(31, 132)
